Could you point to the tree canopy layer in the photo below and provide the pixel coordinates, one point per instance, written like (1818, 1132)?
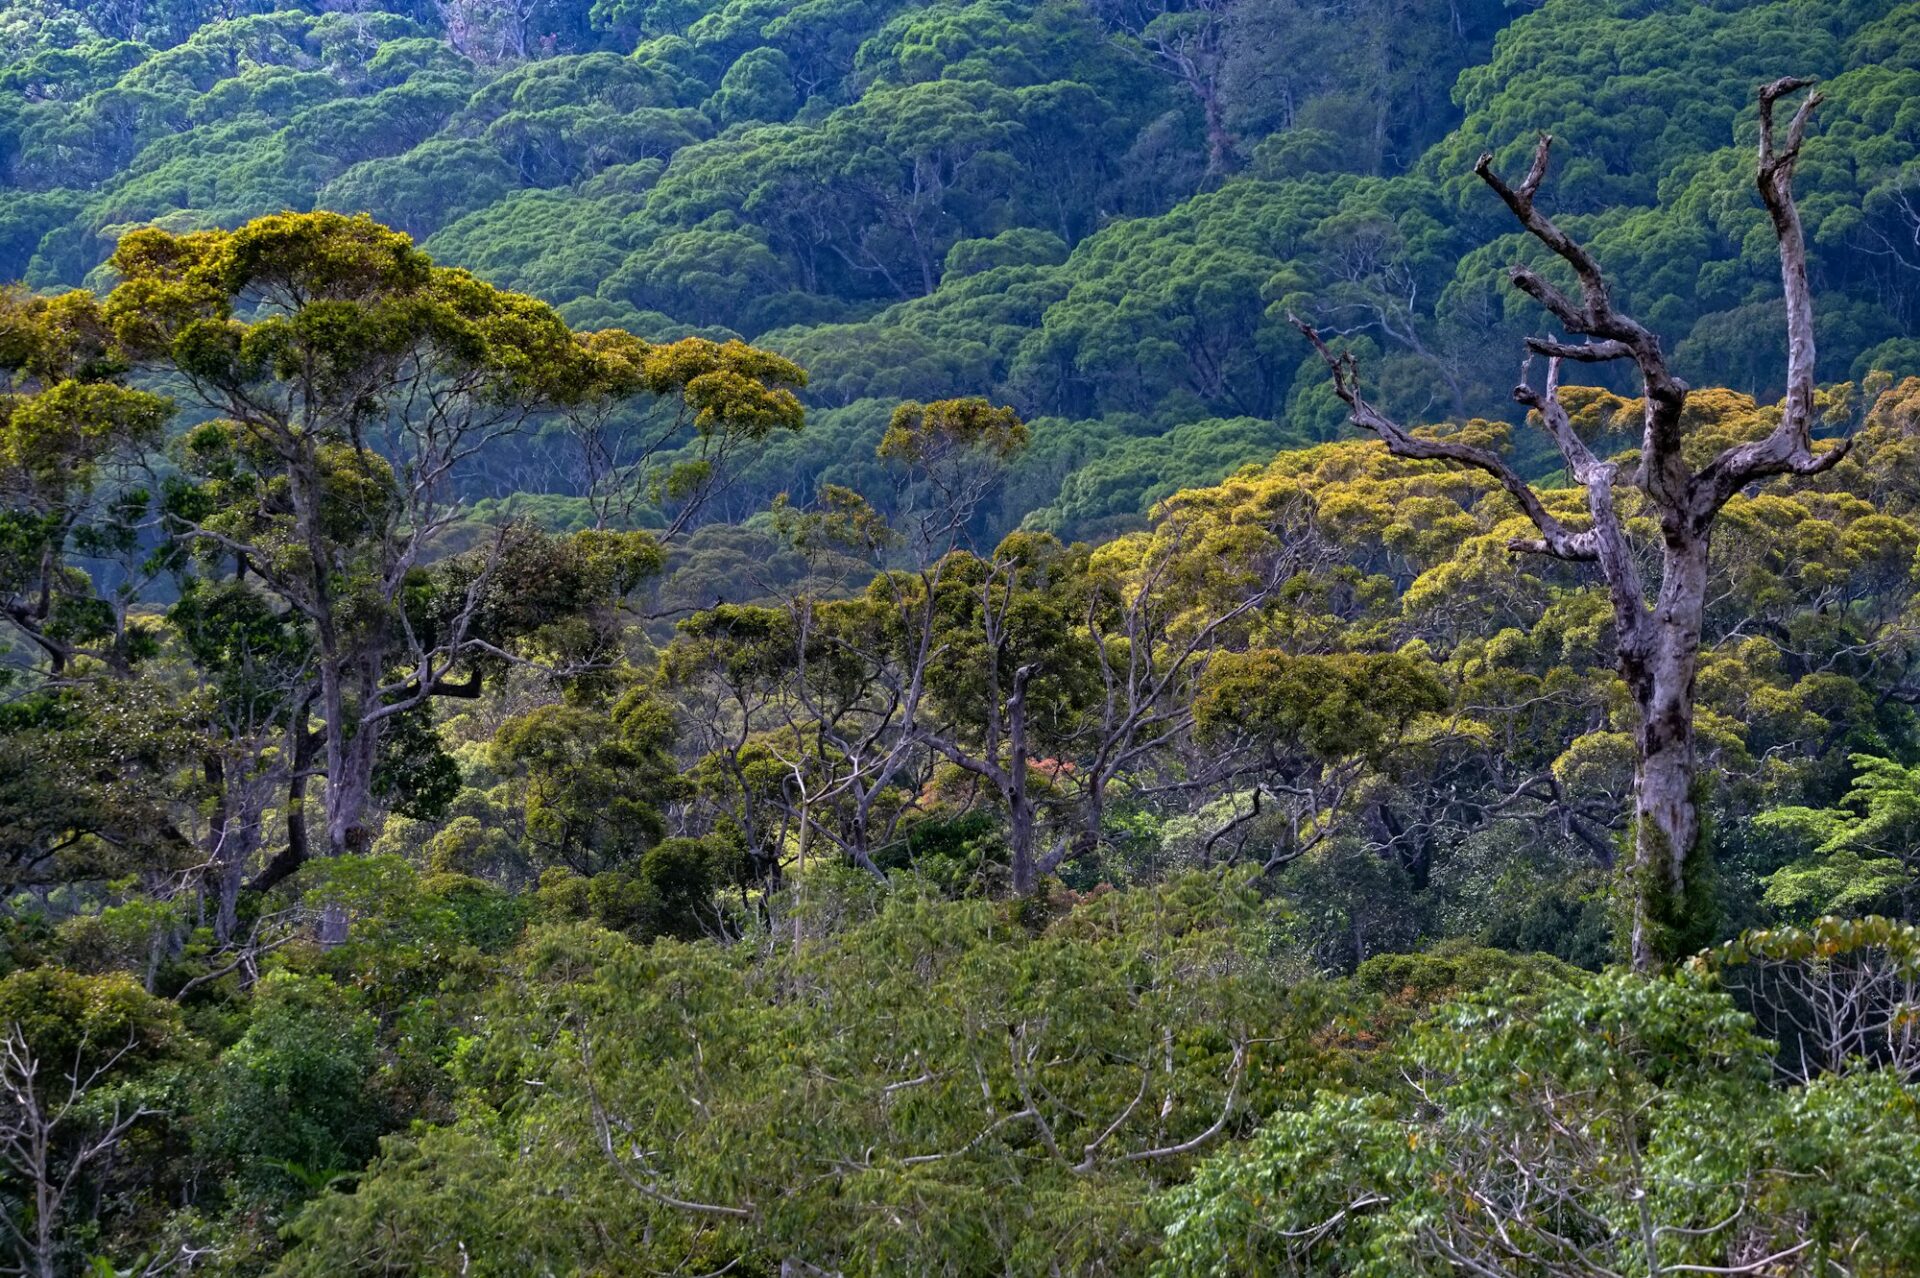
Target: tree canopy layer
(1089, 210)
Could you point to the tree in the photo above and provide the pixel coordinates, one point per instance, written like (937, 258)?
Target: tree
(949, 455)
(757, 87)
(590, 784)
(671, 431)
(1835, 997)
(1657, 644)
(68, 1048)
(1158, 610)
(1306, 728)
(72, 437)
(1187, 40)
(488, 31)
(355, 327)
(1562, 1128)
(1010, 676)
(346, 412)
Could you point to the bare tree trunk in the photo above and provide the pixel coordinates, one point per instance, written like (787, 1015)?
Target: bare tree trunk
(1026, 874)
(350, 762)
(349, 794)
(1020, 815)
(1219, 141)
(352, 751)
(221, 837)
(800, 874)
(1666, 824)
(49, 1136)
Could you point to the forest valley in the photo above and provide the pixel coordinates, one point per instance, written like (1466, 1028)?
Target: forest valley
(1229, 637)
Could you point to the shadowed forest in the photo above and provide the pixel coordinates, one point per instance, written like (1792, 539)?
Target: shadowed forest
(801, 638)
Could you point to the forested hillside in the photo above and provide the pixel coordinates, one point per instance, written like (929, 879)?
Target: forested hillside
(1098, 213)
(867, 637)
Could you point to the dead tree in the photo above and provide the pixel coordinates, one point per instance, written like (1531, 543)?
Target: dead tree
(1657, 638)
(50, 1138)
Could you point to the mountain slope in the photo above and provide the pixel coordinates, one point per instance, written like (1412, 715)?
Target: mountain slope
(1099, 212)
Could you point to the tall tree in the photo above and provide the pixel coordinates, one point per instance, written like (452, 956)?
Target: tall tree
(1187, 40)
(342, 413)
(346, 407)
(72, 438)
(1658, 641)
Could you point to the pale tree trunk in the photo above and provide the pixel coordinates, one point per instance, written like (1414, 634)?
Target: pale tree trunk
(800, 874)
(350, 789)
(235, 837)
(1658, 647)
(1666, 817)
(222, 835)
(349, 796)
(1219, 141)
(1020, 815)
(333, 710)
(1020, 823)
(351, 754)
(350, 749)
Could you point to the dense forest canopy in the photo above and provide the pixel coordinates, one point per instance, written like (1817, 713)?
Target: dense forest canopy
(667, 637)
(1096, 213)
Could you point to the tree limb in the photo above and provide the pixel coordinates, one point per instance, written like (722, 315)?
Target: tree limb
(1788, 448)
(1554, 538)
(1663, 469)
(1607, 538)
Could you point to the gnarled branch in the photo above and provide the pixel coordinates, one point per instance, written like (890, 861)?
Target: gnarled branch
(1607, 537)
(1554, 538)
(1617, 335)
(1788, 448)
(1580, 352)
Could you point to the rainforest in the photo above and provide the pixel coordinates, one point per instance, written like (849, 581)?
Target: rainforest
(830, 638)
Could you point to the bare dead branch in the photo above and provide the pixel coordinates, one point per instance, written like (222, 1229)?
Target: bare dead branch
(1788, 448)
(1554, 538)
(1590, 352)
(1663, 470)
(1236, 1071)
